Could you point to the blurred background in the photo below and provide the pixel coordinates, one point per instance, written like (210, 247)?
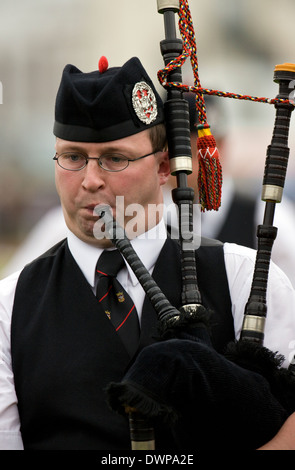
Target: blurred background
(239, 43)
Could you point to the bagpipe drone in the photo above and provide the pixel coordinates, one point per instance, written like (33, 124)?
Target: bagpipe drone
(206, 399)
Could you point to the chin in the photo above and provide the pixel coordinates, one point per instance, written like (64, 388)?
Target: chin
(90, 238)
(105, 243)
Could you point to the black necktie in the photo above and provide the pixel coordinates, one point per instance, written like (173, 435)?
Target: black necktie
(115, 301)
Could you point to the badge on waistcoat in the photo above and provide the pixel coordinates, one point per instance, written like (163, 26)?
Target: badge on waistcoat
(144, 102)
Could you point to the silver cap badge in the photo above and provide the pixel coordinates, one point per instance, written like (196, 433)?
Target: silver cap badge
(144, 102)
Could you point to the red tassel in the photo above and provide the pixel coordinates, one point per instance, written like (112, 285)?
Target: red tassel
(210, 171)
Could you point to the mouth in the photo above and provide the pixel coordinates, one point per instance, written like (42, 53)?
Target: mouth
(89, 211)
(90, 207)
(98, 210)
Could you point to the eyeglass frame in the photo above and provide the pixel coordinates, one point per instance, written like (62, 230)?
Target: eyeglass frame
(56, 157)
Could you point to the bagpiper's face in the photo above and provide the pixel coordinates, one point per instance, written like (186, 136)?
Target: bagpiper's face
(140, 183)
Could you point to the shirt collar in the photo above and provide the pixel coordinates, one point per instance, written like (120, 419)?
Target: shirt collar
(147, 246)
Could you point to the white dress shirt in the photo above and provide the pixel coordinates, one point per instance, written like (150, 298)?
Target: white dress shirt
(239, 262)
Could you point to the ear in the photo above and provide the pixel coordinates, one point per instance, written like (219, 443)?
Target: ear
(164, 167)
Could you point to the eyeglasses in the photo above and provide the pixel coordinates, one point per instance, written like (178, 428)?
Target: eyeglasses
(74, 161)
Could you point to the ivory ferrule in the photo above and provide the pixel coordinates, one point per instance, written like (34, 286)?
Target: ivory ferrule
(143, 445)
(254, 323)
(272, 193)
(167, 4)
(181, 164)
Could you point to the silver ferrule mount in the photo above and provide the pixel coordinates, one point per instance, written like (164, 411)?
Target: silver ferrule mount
(167, 5)
(254, 323)
(271, 193)
(181, 164)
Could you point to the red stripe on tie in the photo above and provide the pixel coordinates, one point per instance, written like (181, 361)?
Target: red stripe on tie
(101, 272)
(118, 327)
(105, 294)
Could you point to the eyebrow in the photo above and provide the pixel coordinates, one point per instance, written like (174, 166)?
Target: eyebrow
(77, 148)
(71, 148)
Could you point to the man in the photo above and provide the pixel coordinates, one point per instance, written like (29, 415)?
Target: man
(64, 350)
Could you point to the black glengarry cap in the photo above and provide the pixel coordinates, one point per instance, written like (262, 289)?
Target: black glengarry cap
(107, 104)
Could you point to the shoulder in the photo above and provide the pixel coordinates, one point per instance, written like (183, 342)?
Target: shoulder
(240, 261)
(234, 253)
(46, 257)
(7, 293)
(52, 252)
(203, 246)
(239, 264)
(9, 284)
(37, 271)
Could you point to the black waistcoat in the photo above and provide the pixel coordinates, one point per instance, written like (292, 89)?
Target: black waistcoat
(65, 350)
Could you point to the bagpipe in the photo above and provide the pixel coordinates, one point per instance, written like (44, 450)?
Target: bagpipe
(241, 398)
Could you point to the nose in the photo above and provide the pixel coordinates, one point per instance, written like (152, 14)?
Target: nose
(93, 176)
